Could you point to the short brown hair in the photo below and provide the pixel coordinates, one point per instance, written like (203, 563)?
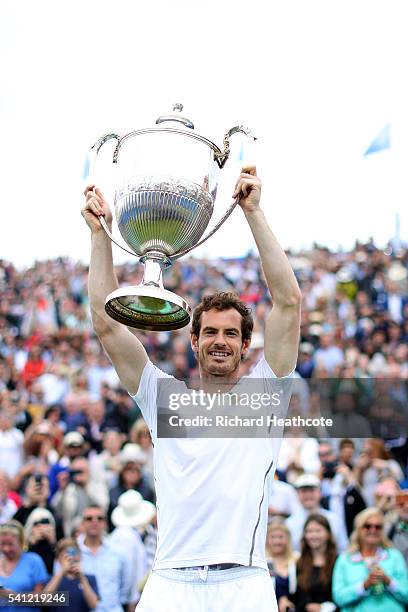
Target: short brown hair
(65, 543)
(346, 442)
(223, 300)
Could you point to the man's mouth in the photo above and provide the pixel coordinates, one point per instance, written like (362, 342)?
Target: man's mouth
(219, 353)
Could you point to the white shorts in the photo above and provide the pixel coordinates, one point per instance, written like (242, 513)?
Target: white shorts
(239, 589)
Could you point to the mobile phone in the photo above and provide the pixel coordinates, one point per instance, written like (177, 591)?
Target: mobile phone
(72, 552)
(38, 479)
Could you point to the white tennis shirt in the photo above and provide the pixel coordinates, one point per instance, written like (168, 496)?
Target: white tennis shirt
(212, 504)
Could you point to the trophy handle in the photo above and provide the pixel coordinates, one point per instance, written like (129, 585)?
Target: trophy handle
(214, 229)
(221, 158)
(94, 154)
(109, 234)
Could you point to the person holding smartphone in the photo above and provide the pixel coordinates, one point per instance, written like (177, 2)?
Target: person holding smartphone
(69, 577)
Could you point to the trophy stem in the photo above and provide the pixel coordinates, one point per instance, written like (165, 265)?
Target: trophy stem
(153, 270)
(149, 305)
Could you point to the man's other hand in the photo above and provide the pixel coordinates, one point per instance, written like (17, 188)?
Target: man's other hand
(95, 206)
(248, 189)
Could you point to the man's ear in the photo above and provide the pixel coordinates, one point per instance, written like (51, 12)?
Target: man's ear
(194, 343)
(245, 348)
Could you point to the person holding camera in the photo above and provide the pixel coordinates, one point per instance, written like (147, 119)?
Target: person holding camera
(75, 494)
(69, 577)
(340, 491)
(41, 536)
(36, 495)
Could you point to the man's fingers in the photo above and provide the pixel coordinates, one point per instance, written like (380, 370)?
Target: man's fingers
(88, 188)
(94, 204)
(245, 185)
(250, 176)
(249, 170)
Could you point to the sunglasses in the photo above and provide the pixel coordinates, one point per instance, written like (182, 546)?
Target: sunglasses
(94, 518)
(43, 521)
(369, 526)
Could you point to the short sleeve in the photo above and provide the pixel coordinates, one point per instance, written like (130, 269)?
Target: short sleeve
(146, 396)
(38, 571)
(262, 377)
(263, 370)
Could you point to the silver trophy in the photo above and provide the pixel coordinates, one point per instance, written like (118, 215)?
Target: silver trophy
(165, 189)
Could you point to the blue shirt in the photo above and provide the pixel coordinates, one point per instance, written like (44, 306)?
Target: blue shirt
(109, 569)
(77, 600)
(29, 571)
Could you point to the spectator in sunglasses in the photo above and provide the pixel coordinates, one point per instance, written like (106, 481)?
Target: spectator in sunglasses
(372, 575)
(99, 558)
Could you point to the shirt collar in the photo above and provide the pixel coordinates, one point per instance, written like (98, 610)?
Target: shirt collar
(380, 555)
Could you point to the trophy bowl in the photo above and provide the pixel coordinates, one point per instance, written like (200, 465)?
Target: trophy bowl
(165, 192)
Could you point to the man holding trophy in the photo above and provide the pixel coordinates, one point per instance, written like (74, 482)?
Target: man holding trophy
(211, 492)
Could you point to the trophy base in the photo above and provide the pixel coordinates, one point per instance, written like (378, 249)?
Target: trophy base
(148, 307)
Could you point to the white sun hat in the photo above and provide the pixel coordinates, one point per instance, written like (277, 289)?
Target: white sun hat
(132, 510)
(132, 453)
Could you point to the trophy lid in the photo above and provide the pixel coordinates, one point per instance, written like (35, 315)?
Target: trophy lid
(178, 107)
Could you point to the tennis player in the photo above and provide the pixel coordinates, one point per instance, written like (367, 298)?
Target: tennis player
(211, 493)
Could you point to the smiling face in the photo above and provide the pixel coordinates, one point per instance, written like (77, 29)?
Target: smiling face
(309, 497)
(219, 346)
(316, 535)
(371, 532)
(277, 541)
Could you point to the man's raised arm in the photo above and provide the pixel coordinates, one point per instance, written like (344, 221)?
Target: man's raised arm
(282, 327)
(123, 348)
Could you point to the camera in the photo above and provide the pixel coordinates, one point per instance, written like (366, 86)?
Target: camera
(329, 469)
(73, 473)
(43, 521)
(38, 479)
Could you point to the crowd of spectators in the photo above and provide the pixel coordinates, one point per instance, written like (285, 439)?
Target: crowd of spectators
(76, 471)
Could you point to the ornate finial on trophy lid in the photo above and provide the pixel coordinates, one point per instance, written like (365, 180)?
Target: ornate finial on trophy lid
(177, 108)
